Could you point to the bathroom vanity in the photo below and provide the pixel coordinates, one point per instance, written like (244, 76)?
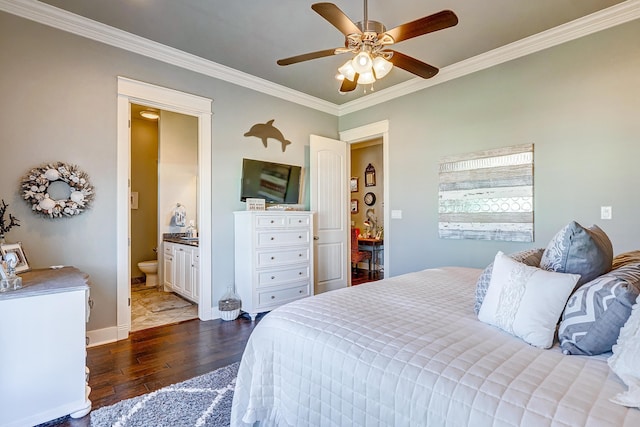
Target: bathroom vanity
(43, 348)
(181, 265)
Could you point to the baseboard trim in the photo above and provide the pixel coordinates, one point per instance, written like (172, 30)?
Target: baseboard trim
(102, 336)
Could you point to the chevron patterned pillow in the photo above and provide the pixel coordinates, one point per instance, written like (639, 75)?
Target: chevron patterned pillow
(596, 312)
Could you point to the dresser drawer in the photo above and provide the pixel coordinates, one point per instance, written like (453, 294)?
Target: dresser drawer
(283, 275)
(299, 221)
(285, 237)
(280, 296)
(267, 221)
(268, 259)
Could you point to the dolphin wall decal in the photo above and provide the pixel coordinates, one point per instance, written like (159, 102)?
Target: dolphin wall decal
(265, 131)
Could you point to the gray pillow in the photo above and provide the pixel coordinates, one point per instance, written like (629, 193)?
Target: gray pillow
(578, 250)
(530, 257)
(596, 312)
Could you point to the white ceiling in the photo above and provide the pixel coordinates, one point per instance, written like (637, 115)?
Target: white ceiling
(250, 35)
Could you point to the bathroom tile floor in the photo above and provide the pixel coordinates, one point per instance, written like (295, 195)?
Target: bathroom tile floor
(151, 307)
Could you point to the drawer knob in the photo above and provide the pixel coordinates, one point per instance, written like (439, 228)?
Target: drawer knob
(300, 273)
(273, 277)
(273, 238)
(299, 237)
(273, 297)
(271, 221)
(273, 257)
(300, 255)
(300, 291)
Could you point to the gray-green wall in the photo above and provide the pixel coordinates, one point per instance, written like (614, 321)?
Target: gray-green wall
(58, 103)
(579, 103)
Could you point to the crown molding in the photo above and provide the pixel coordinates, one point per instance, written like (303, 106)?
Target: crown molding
(84, 27)
(590, 24)
(75, 24)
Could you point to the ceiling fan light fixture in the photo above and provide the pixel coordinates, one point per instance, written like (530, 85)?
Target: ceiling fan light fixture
(367, 78)
(381, 66)
(347, 71)
(362, 63)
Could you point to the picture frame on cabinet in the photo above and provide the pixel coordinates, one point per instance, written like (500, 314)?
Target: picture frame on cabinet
(354, 206)
(16, 248)
(3, 270)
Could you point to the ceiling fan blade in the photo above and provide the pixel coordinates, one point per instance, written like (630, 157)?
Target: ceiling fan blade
(428, 24)
(336, 17)
(412, 65)
(306, 57)
(349, 85)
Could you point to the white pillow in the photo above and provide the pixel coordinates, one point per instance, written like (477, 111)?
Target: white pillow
(624, 362)
(526, 301)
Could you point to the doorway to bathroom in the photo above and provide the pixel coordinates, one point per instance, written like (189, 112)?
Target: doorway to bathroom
(164, 169)
(169, 100)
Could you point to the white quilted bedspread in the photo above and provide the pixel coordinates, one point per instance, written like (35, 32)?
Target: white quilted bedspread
(409, 351)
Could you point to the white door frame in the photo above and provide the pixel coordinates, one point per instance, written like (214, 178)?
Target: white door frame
(132, 91)
(363, 133)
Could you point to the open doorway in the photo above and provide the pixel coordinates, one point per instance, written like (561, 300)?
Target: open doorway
(164, 170)
(367, 211)
(164, 99)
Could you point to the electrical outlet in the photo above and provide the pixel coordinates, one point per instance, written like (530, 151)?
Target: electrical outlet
(396, 214)
(605, 212)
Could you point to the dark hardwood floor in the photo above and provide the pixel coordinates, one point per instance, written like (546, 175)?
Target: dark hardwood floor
(154, 358)
(360, 275)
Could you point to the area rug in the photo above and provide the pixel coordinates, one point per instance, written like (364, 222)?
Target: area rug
(200, 401)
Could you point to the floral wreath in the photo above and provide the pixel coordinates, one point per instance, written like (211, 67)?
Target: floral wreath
(36, 183)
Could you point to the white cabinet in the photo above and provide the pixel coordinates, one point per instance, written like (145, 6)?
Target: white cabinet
(42, 348)
(180, 269)
(168, 270)
(273, 258)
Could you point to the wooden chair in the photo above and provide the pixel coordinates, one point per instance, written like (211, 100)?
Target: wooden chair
(356, 254)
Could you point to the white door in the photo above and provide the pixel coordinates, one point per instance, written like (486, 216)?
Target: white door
(329, 199)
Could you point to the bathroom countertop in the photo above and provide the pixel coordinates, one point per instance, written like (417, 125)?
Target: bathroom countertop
(180, 239)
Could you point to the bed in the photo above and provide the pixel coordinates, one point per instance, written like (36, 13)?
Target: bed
(410, 351)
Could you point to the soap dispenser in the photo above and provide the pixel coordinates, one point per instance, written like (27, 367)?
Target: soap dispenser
(191, 230)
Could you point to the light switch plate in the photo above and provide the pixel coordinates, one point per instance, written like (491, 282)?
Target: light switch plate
(606, 212)
(396, 214)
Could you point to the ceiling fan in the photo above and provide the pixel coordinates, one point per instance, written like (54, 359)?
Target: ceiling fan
(369, 41)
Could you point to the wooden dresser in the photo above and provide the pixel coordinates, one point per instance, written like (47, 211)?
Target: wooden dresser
(273, 258)
(43, 348)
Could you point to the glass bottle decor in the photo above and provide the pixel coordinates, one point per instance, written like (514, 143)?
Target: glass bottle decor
(229, 305)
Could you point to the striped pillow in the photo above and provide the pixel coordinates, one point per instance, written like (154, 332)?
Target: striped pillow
(596, 312)
(625, 258)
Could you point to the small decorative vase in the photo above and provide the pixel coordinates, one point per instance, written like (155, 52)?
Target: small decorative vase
(229, 305)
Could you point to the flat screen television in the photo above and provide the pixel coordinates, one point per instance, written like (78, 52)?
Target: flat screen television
(274, 182)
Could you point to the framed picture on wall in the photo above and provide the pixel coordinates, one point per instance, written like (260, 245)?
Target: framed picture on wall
(353, 184)
(370, 176)
(354, 206)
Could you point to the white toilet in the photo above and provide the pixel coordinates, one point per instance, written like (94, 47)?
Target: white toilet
(150, 269)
